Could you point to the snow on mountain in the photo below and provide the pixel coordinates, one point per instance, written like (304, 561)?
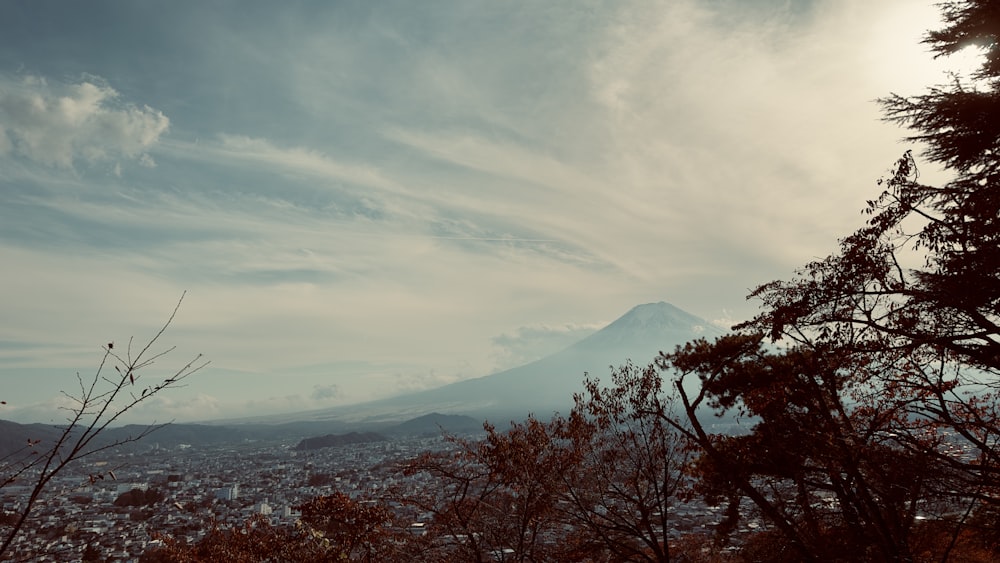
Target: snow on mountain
(650, 327)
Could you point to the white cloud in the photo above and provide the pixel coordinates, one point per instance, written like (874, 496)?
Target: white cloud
(165, 408)
(160, 408)
(53, 410)
(726, 321)
(318, 397)
(58, 125)
(530, 343)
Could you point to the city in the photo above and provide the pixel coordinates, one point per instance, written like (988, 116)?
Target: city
(203, 486)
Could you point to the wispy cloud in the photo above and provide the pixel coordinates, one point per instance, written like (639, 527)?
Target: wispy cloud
(298, 160)
(335, 182)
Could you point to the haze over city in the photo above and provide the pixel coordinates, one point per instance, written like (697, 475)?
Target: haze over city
(363, 199)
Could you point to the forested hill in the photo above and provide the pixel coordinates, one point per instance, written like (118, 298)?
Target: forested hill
(15, 437)
(331, 440)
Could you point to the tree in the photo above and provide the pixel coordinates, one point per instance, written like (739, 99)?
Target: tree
(921, 281)
(597, 485)
(629, 460)
(889, 349)
(823, 462)
(255, 541)
(139, 497)
(351, 530)
(332, 528)
(100, 401)
(91, 554)
(495, 497)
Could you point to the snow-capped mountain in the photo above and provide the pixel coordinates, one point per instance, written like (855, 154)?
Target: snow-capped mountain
(548, 384)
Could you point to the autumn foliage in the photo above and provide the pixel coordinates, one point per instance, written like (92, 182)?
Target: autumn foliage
(331, 528)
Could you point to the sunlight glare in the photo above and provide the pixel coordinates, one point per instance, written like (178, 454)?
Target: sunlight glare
(966, 62)
(901, 62)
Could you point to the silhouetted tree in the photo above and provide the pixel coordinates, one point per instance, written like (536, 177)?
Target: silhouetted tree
(628, 470)
(332, 528)
(823, 461)
(256, 541)
(918, 289)
(91, 554)
(890, 347)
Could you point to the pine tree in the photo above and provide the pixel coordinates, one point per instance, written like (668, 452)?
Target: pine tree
(918, 288)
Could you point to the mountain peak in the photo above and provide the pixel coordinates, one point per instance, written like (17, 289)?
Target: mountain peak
(657, 315)
(651, 324)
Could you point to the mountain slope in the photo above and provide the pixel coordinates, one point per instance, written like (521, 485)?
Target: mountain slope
(546, 385)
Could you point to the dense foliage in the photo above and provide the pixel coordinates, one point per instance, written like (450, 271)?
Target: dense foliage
(139, 497)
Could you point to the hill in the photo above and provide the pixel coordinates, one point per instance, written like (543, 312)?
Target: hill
(16, 438)
(434, 424)
(331, 440)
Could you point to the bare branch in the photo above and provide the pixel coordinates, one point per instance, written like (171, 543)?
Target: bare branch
(97, 406)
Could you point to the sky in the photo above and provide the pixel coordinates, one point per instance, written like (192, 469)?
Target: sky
(362, 199)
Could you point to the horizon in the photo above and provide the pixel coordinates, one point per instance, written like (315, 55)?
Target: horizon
(368, 200)
(361, 414)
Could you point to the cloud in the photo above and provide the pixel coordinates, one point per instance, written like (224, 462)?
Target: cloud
(726, 321)
(160, 408)
(61, 124)
(715, 132)
(320, 396)
(55, 409)
(530, 343)
(321, 392)
(163, 408)
(409, 381)
(407, 184)
(302, 160)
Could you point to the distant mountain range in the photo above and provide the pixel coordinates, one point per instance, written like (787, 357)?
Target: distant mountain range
(14, 437)
(541, 387)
